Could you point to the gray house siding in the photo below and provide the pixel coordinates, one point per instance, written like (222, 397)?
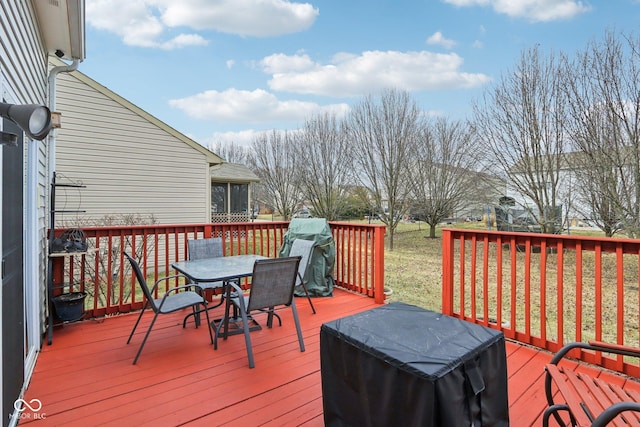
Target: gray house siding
(130, 162)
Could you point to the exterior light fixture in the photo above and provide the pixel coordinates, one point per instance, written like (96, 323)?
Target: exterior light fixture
(33, 119)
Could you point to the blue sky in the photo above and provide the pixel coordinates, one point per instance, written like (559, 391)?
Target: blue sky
(224, 70)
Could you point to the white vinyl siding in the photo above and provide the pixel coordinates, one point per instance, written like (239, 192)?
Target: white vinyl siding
(128, 163)
(23, 80)
(22, 57)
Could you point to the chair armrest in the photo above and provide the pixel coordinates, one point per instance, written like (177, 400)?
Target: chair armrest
(233, 286)
(236, 287)
(566, 349)
(596, 346)
(615, 348)
(614, 410)
(177, 288)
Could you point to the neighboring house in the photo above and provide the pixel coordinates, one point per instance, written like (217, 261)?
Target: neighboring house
(131, 163)
(231, 192)
(488, 189)
(30, 30)
(472, 197)
(569, 207)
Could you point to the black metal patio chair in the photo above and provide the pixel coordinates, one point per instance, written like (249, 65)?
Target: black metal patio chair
(174, 299)
(272, 286)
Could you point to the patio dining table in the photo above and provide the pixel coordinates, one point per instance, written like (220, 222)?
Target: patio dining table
(220, 269)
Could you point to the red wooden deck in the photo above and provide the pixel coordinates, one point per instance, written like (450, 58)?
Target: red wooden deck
(86, 377)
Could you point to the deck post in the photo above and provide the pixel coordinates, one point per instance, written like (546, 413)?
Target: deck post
(378, 265)
(447, 272)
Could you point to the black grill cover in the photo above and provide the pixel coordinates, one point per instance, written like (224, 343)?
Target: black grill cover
(319, 275)
(401, 365)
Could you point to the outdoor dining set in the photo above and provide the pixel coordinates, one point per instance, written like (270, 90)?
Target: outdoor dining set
(273, 282)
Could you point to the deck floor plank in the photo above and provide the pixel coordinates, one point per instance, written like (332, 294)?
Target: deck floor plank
(86, 377)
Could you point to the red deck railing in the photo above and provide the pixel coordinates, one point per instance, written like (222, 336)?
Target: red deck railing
(546, 290)
(107, 279)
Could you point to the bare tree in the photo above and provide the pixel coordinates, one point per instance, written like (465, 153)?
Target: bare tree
(323, 159)
(383, 133)
(273, 160)
(106, 275)
(445, 173)
(521, 127)
(230, 151)
(604, 96)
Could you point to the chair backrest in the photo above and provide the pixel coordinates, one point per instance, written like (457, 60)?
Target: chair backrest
(273, 282)
(141, 280)
(302, 248)
(205, 248)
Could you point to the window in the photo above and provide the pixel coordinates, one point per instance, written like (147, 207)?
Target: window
(239, 198)
(218, 198)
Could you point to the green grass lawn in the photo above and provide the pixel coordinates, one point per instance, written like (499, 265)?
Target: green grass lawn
(413, 270)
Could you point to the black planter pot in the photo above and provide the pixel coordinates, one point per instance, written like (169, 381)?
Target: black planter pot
(70, 306)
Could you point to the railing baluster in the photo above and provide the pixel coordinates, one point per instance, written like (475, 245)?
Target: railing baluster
(485, 279)
(542, 325)
(560, 292)
(472, 280)
(499, 293)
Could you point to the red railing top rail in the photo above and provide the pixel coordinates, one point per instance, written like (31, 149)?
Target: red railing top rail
(256, 224)
(607, 244)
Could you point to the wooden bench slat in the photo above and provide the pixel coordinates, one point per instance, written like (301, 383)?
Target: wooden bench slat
(587, 393)
(604, 397)
(623, 395)
(566, 389)
(635, 396)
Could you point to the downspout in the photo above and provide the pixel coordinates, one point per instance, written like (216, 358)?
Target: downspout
(51, 157)
(51, 153)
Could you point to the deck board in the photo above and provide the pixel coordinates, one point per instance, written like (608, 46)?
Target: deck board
(86, 377)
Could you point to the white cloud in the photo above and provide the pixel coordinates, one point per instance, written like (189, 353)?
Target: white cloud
(130, 19)
(183, 40)
(279, 63)
(533, 10)
(146, 23)
(257, 106)
(259, 18)
(438, 39)
(357, 75)
(242, 138)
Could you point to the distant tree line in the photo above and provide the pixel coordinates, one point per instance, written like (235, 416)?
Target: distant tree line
(559, 131)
